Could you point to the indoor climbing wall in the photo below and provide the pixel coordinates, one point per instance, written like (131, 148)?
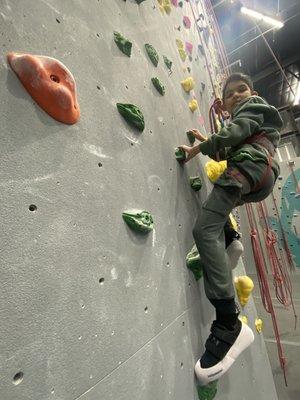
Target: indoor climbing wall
(90, 308)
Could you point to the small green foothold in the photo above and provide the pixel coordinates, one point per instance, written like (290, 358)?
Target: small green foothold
(138, 220)
(123, 44)
(207, 392)
(158, 86)
(168, 62)
(179, 154)
(191, 137)
(152, 53)
(193, 262)
(132, 114)
(139, 1)
(180, 4)
(196, 183)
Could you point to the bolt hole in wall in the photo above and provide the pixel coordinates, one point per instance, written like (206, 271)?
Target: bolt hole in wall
(18, 378)
(101, 281)
(146, 309)
(32, 207)
(54, 78)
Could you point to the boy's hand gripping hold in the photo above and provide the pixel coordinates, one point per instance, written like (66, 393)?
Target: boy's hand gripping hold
(193, 151)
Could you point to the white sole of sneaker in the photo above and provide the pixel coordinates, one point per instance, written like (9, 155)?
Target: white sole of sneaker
(207, 375)
(234, 252)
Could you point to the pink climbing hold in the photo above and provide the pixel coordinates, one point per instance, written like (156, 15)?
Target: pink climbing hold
(175, 3)
(187, 22)
(201, 120)
(188, 47)
(49, 83)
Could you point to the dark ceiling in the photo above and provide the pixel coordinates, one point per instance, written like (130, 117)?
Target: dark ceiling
(248, 52)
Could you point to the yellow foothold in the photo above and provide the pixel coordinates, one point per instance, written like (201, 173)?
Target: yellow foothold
(258, 325)
(179, 44)
(233, 222)
(182, 54)
(244, 286)
(167, 6)
(193, 105)
(244, 319)
(188, 84)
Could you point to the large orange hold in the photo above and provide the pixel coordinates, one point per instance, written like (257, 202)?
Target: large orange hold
(49, 83)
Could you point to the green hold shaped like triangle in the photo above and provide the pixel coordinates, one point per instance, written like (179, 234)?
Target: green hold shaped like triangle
(138, 220)
(191, 137)
(152, 54)
(167, 62)
(139, 1)
(193, 263)
(123, 44)
(132, 114)
(196, 183)
(158, 86)
(207, 392)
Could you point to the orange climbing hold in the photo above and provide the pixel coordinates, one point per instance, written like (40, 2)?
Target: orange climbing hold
(49, 83)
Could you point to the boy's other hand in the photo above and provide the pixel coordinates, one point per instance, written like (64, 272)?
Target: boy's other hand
(198, 135)
(192, 151)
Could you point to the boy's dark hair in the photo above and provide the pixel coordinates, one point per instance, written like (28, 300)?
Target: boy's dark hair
(237, 76)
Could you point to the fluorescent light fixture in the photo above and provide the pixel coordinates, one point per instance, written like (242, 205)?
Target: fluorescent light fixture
(297, 95)
(257, 15)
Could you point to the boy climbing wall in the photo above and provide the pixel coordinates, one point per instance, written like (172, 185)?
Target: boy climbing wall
(248, 144)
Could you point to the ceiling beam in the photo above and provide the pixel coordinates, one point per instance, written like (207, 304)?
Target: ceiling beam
(274, 68)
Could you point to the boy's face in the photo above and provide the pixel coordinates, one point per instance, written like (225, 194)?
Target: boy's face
(236, 92)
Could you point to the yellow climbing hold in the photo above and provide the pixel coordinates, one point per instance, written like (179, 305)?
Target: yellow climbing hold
(214, 169)
(181, 51)
(233, 222)
(182, 54)
(179, 44)
(258, 325)
(244, 286)
(165, 5)
(193, 105)
(188, 84)
(244, 319)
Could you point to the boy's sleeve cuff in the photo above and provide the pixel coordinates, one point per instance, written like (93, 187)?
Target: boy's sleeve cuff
(204, 147)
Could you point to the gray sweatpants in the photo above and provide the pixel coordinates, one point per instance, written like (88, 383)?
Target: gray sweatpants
(230, 190)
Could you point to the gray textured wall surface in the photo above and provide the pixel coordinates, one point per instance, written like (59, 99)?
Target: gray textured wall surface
(138, 334)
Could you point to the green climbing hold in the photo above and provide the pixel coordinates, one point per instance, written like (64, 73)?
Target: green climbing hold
(152, 53)
(132, 114)
(193, 263)
(179, 154)
(138, 220)
(196, 183)
(139, 1)
(191, 137)
(123, 44)
(167, 62)
(180, 4)
(158, 85)
(207, 392)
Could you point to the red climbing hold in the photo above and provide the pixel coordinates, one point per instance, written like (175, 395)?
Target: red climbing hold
(49, 83)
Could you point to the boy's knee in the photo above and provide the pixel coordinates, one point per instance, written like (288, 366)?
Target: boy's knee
(198, 232)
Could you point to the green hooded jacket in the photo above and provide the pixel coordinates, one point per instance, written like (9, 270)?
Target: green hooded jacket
(251, 116)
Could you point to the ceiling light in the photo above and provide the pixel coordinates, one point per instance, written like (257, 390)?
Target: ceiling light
(297, 95)
(257, 15)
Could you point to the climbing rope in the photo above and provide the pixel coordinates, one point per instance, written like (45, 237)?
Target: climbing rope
(282, 281)
(263, 283)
